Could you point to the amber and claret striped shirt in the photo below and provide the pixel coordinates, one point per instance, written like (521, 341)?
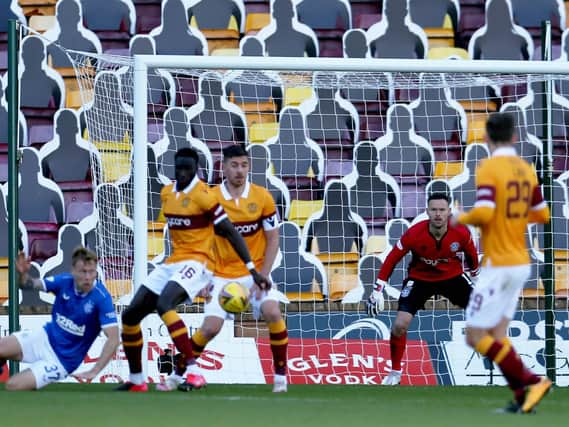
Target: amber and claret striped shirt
(508, 197)
(191, 215)
(251, 214)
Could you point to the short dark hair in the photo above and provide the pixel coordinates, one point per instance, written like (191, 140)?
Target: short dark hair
(187, 152)
(235, 150)
(83, 254)
(439, 196)
(500, 128)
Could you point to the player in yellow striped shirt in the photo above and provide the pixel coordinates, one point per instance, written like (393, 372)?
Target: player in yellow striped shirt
(508, 197)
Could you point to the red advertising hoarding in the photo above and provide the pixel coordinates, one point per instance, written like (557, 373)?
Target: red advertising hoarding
(339, 361)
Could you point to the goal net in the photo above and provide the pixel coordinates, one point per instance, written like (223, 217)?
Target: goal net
(350, 158)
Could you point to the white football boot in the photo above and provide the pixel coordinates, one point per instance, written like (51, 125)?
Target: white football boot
(280, 384)
(393, 378)
(170, 383)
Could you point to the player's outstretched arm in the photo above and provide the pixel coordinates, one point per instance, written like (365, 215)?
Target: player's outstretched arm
(226, 229)
(107, 353)
(23, 265)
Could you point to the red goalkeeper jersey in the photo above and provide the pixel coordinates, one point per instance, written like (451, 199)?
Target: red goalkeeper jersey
(433, 260)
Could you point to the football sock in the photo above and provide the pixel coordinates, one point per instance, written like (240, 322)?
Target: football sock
(505, 356)
(179, 334)
(397, 345)
(278, 335)
(132, 343)
(199, 341)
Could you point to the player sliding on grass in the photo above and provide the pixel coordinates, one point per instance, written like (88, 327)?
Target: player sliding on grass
(82, 307)
(435, 269)
(192, 213)
(508, 197)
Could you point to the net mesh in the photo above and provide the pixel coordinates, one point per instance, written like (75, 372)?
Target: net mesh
(349, 159)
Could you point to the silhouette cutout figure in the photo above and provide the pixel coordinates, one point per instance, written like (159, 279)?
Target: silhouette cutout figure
(336, 228)
(10, 9)
(70, 237)
(174, 36)
(374, 195)
(432, 14)
(214, 119)
(254, 86)
(41, 86)
(154, 183)
(292, 142)
(23, 129)
(161, 85)
(23, 235)
(41, 199)
(500, 38)
(176, 136)
(395, 36)
(217, 14)
(463, 185)
(528, 146)
(108, 107)
(285, 35)
(260, 159)
(68, 147)
(394, 229)
(332, 121)
(325, 14)
(401, 151)
(297, 269)
(116, 15)
(438, 117)
(70, 33)
(528, 15)
(355, 44)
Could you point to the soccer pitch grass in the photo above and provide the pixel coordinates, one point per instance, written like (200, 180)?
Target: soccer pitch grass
(63, 405)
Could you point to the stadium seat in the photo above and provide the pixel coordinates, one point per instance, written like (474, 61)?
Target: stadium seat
(255, 22)
(438, 52)
(301, 210)
(439, 20)
(261, 132)
(221, 22)
(41, 24)
(340, 284)
(447, 170)
(376, 244)
(296, 95)
(37, 7)
(155, 240)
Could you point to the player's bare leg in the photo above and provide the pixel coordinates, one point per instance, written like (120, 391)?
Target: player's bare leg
(208, 331)
(279, 341)
(397, 343)
(493, 343)
(10, 349)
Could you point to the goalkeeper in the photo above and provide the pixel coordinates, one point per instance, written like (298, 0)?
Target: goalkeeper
(436, 268)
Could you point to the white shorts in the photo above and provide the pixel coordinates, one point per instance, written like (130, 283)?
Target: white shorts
(495, 295)
(190, 275)
(38, 353)
(212, 307)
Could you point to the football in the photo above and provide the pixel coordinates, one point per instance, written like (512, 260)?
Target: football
(234, 297)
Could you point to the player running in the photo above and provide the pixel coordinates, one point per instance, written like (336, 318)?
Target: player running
(508, 197)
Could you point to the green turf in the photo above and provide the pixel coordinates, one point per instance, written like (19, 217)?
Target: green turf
(64, 405)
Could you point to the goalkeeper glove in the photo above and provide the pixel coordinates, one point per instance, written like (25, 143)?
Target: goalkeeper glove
(376, 302)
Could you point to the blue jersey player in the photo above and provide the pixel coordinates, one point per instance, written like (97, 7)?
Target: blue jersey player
(82, 307)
